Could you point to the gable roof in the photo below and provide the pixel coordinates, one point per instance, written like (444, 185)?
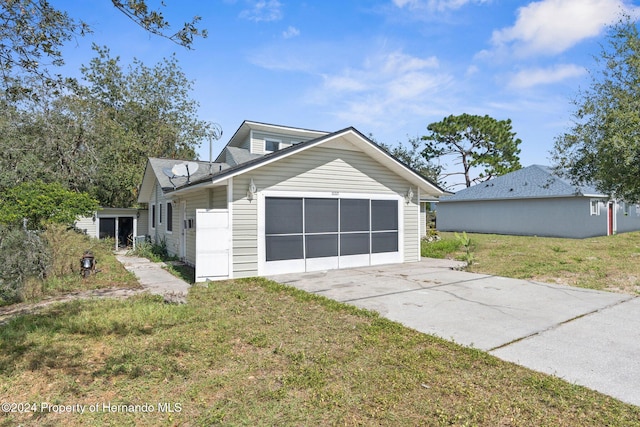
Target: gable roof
(247, 126)
(535, 181)
(213, 174)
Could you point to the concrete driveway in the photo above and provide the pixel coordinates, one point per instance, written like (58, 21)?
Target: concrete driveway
(587, 337)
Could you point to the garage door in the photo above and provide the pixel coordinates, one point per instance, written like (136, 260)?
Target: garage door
(307, 234)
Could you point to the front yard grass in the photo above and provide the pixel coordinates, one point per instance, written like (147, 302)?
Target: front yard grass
(606, 263)
(253, 352)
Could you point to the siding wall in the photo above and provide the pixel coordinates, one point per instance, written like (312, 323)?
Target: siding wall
(215, 198)
(159, 233)
(198, 200)
(87, 225)
(315, 170)
(91, 228)
(628, 217)
(558, 217)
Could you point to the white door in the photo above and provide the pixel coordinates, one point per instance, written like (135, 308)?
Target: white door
(213, 240)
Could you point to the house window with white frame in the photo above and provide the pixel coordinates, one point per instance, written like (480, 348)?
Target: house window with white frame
(271, 145)
(153, 216)
(160, 214)
(595, 207)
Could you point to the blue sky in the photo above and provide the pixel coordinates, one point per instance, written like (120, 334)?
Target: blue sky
(385, 67)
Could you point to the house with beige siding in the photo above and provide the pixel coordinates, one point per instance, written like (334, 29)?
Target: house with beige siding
(280, 199)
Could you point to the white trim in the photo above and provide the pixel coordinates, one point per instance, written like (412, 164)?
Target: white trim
(421, 226)
(230, 209)
(315, 264)
(330, 195)
(152, 214)
(167, 222)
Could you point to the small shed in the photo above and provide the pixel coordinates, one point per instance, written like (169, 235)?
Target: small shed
(536, 201)
(121, 224)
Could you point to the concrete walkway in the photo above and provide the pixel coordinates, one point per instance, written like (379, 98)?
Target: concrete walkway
(587, 337)
(156, 279)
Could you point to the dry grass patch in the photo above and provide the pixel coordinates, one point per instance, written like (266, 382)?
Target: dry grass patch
(606, 263)
(253, 352)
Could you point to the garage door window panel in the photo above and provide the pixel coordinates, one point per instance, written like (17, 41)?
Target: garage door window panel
(384, 215)
(354, 215)
(384, 242)
(283, 215)
(321, 245)
(354, 244)
(284, 247)
(321, 215)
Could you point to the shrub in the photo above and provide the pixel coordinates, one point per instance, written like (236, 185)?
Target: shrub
(41, 203)
(24, 261)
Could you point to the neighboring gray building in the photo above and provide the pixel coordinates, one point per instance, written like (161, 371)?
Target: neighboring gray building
(535, 201)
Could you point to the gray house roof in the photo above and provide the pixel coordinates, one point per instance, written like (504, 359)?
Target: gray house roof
(236, 156)
(169, 183)
(534, 181)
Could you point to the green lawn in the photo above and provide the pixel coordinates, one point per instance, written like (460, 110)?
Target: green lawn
(252, 352)
(607, 263)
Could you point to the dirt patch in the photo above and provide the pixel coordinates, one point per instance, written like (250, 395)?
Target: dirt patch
(9, 312)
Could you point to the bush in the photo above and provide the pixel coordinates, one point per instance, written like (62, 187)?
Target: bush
(66, 247)
(24, 261)
(155, 252)
(41, 203)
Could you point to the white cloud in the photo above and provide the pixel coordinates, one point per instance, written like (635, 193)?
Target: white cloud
(540, 76)
(435, 5)
(385, 88)
(553, 26)
(263, 11)
(291, 32)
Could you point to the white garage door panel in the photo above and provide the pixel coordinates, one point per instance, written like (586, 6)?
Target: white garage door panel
(213, 240)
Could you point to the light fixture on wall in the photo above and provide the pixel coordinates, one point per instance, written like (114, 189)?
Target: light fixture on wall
(94, 217)
(409, 196)
(137, 214)
(251, 192)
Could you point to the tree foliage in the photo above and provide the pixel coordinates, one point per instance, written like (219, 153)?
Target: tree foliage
(474, 142)
(33, 33)
(96, 138)
(603, 146)
(41, 203)
(411, 155)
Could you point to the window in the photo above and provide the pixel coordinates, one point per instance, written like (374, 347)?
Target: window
(595, 207)
(271, 145)
(169, 217)
(153, 216)
(160, 214)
